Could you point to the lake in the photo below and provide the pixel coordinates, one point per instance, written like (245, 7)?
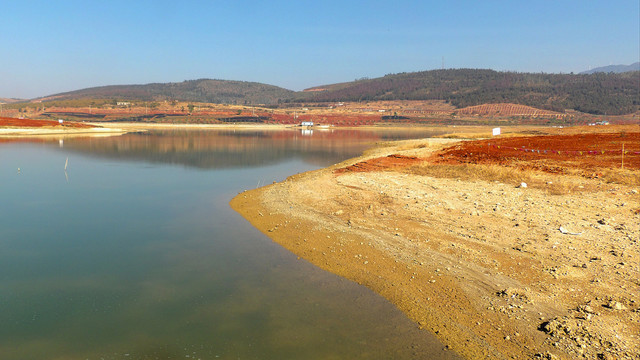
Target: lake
(133, 252)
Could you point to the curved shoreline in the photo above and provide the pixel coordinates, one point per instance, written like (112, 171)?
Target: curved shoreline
(336, 248)
(438, 250)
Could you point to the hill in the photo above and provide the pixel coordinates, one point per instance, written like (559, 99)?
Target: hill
(597, 94)
(600, 93)
(507, 110)
(202, 90)
(614, 69)
(9, 101)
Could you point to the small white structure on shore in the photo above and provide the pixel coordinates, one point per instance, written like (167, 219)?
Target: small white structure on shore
(496, 131)
(60, 121)
(306, 123)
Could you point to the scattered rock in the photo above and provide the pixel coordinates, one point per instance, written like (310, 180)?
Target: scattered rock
(615, 305)
(586, 309)
(567, 232)
(513, 293)
(546, 356)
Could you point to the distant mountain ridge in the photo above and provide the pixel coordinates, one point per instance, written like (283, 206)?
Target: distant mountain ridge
(598, 93)
(9, 100)
(614, 69)
(201, 90)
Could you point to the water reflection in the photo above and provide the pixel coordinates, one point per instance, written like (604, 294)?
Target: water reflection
(238, 148)
(130, 261)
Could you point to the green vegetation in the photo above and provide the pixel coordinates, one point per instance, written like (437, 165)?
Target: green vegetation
(598, 94)
(86, 102)
(203, 90)
(601, 93)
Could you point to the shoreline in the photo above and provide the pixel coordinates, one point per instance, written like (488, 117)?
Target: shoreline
(161, 126)
(472, 262)
(459, 132)
(26, 132)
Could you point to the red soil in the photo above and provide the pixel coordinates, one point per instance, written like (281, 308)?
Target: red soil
(550, 153)
(506, 109)
(383, 163)
(17, 122)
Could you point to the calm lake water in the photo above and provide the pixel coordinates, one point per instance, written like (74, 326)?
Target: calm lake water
(134, 253)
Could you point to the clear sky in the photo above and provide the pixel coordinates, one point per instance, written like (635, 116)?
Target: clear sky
(50, 46)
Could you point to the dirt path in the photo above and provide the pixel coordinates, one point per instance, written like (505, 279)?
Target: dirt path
(494, 269)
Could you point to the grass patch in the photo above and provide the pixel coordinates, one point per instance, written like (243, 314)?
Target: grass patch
(620, 176)
(461, 136)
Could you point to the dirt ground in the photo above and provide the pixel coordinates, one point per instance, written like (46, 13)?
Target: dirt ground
(495, 268)
(31, 123)
(33, 130)
(552, 153)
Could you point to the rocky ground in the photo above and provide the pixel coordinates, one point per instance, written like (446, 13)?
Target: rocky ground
(494, 268)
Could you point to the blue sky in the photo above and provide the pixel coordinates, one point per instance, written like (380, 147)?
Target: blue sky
(54, 46)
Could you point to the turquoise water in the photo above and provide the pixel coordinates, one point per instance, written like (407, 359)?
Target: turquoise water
(134, 253)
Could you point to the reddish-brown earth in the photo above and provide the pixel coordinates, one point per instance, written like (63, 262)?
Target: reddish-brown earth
(549, 153)
(552, 153)
(506, 109)
(31, 123)
(383, 163)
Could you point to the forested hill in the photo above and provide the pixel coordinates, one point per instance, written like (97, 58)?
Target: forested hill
(203, 90)
(600, 93)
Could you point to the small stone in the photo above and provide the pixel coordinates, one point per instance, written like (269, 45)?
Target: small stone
(547, 355)
(615, 305)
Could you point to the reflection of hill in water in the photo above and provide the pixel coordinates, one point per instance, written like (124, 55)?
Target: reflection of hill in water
(228, 148)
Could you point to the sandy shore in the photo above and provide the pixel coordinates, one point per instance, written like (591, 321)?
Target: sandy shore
(162, 126)
(27, 131)
(106, 128)
(495, 271)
